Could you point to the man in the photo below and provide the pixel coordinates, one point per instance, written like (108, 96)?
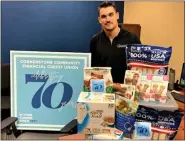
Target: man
(108, 46)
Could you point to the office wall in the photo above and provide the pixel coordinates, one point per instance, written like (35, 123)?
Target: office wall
(162, 23)
(49, 26)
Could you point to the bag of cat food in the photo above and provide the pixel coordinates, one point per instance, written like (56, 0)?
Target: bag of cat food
(125, 123)
(148, 59)
(98, 79)
(125, 112)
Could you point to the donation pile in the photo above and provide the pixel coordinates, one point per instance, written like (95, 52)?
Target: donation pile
(107, 110)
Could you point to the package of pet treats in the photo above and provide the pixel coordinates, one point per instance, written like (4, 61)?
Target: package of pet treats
(167, 125)
(98, 79)
(148, 58)
(127, 91)
(159, 88)
(132, 77)
(143, 87)
(125, 112)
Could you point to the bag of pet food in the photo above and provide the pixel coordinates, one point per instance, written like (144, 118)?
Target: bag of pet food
(146, 114)
(125, 123)
(164, 123)
(125, 112)
(98, 79)
(167, 125)
(148, 59)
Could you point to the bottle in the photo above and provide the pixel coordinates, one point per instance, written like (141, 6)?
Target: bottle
(171, 79)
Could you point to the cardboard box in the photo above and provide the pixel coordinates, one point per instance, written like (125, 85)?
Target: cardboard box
(95, 112)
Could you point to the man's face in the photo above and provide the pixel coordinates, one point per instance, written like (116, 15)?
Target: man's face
(108, 18)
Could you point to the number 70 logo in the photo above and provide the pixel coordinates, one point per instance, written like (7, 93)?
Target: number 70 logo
(44, 95)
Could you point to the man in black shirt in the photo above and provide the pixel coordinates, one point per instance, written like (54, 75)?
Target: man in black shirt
(108, 47)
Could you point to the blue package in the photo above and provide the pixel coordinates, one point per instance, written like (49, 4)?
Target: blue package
(124, 123)
(148, 54)
(168, 120)
(146, 114)
(148, 59)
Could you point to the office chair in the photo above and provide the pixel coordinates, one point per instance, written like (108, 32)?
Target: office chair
(10, 132)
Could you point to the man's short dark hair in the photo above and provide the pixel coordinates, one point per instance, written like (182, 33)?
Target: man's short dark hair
(106, 4)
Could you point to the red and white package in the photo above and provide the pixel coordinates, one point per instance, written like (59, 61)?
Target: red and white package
(148, 59)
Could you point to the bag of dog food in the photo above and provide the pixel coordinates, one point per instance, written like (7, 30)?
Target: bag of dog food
(167, 125)
(148, 59)
(98, 79)
(164, 123)
(146, 114)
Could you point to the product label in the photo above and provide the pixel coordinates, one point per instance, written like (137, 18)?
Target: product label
(149, 54)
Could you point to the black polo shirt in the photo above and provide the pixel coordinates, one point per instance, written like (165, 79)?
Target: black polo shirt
(107, 54)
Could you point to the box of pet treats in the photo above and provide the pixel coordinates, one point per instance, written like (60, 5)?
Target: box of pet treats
(95, 112)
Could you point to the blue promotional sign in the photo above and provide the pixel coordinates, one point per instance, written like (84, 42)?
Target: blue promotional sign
(45, 87)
